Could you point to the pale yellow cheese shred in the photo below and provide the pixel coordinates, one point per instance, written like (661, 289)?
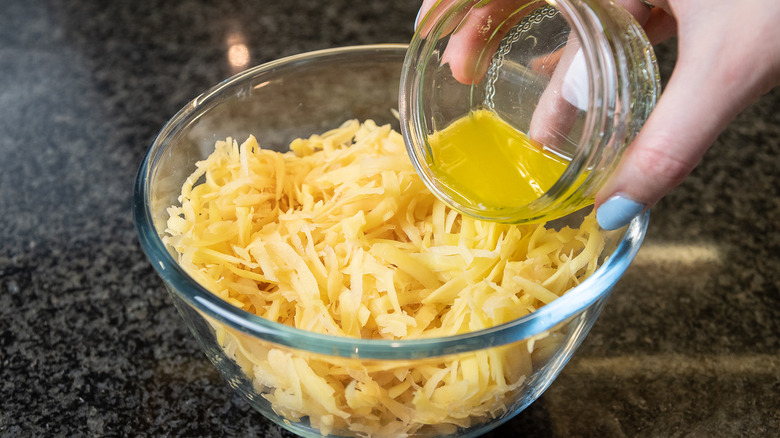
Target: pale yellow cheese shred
(341, 237)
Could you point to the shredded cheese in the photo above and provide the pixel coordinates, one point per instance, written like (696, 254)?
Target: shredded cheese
(340, 236)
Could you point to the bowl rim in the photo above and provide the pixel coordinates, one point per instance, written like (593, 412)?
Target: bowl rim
(591, 290)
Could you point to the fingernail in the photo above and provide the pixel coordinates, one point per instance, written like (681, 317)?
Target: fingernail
(417, 19)
(617, 211)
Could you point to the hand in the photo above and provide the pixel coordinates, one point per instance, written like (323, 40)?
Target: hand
(728, 56)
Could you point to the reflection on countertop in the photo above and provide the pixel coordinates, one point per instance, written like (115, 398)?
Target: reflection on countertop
(688, 345)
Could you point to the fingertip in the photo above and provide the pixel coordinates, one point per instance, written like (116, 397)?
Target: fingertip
(469, 59)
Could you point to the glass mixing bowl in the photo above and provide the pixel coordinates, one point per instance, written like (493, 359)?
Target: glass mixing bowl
(296, 97)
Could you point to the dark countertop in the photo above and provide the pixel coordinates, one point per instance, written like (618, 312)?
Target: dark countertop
(90, 345)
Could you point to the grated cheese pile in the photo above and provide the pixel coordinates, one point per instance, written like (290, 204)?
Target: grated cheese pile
(340, 236)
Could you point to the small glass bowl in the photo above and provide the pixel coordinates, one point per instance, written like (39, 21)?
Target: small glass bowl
(579, 77)
(296, 97)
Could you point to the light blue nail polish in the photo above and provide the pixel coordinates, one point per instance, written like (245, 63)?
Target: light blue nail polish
(417, 19)
(617, 212)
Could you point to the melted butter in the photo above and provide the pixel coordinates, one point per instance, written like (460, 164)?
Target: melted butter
(491, 164)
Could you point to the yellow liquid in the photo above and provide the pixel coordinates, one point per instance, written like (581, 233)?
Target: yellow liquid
(491, 164)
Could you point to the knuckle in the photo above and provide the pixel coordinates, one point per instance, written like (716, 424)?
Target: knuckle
(663, 167)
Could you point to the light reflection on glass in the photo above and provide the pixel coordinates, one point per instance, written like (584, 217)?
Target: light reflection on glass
(261, 85)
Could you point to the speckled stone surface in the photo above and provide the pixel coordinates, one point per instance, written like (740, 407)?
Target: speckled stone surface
(90, 345)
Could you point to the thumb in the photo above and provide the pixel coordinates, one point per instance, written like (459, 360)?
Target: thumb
(667, 149)
(716, 76)
(697, 104)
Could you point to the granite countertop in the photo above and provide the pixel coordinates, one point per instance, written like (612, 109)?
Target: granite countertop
(90, 344)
